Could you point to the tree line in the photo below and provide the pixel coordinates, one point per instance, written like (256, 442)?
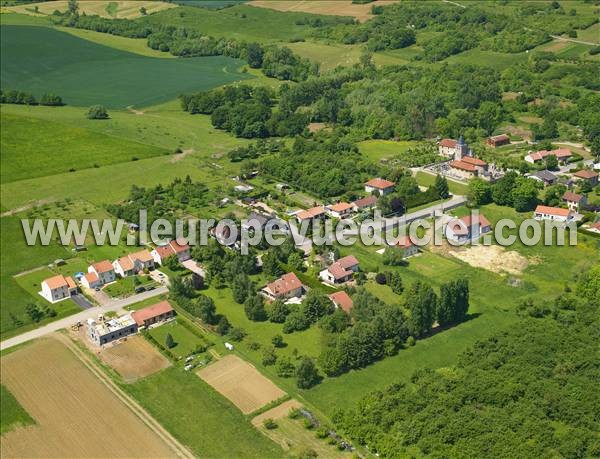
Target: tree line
(26, 98)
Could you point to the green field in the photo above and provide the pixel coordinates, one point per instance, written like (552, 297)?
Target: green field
(40, 60)
(12, 413)
(377, 150)
(32, 147)
(185, 341)
(199, 417)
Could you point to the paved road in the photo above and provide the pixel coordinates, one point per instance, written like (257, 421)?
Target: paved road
(82, 316)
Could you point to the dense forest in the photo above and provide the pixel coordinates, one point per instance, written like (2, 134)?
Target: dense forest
(531, 391)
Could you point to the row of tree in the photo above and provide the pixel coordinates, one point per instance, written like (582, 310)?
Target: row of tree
(26, 98)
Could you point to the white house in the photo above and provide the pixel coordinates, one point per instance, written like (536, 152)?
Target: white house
(340, 271)
(91, 280)
(58, 288)
(124, 266)
(574, 200)
(364, 203)
(134, 263)
(106, 331)
(311, 214)
(467, 228)
(552, 213)
(380, 185)
(286, 287)
(340, 210)
(447, 148)
(562, 155)
(161, 253)
(179, 248)
(104, 271)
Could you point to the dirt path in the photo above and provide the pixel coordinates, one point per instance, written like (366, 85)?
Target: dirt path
(16, 210)
(573, 40)
(142, 414)
(179, 156)
(134, 111)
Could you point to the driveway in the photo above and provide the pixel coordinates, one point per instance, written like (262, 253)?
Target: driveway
(113, 306)
(82, 301)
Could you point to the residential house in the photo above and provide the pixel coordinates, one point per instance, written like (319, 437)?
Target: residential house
(587, 175)
(105, 331)
(154, 314)
(552, 213)
(463, 169)
(497, 141)
(342, 301)
(480, 165)
(340, 210)
(447, 148)
(405, 244)
(286, 287)
(181, 249)
(313, 213)
(58, 288)
(91, 280)
(546, 177)
(380, 185)
(364, 204)
(134, 263)
(104, 270)
(562, 155)
(467, 228)
(595, 227)
(161, 253)
(574, 201)
(340, 271)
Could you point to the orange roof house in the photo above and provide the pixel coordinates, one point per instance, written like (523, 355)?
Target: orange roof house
(152, 314)
(342, 300)
(286, 286)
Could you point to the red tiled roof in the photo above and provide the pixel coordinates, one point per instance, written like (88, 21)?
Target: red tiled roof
(151, 311)
(585, 174)
(404, 242)
(460, 226)
(56, 282)
(91, 278)
(179, 246)
(340, 207)
(342, 300)
(143, 255)
(164, 251)
(70, 282)
(310, 213)
(348, 261)
(126, 263)
(342, 267)
(448, 143)
(596, 225)
(380, 183)
(573, 197)
(462, 165)
(285, 284)
(552, 211)
(560, 153)
(473, 161)
(480, 220)
(103, 266)
(365, 202)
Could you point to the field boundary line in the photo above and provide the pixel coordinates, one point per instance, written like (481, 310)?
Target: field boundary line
(179, 449)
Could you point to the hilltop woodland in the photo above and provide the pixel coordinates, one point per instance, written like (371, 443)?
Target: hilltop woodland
(531, 389)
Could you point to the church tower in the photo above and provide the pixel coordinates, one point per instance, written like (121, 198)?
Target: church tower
(462, 149)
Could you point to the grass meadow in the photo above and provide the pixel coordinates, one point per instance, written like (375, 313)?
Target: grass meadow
(185, 341)
(41, 59)
(199, 417)
(13, 414)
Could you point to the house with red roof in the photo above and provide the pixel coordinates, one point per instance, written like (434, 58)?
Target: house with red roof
(178, 248)
(340, 271)
(467, 228)
(552, 213)
(562, 155)
(313, 213)
(58, 288)
(447, 148)
(133, 263)
(286, 287)
(463, 169)
(587, 175)
(574, 201)
(104, 271)
(497, 140)
(91, 280)
(342, 301)
(340, 210)
(407, 246)
(594, 227)
(364, 203)
(379, 185)
(155, 314)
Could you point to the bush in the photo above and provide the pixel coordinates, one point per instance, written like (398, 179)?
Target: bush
(97, 112)
(381, 279)
(294, 413)
(269, 424)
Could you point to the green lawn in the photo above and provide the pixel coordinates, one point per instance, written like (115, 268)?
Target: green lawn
(376, 150)
(12, 413)
(32, 147)
(199, 417)
(83, 73)
(185, 341)
(425, 179)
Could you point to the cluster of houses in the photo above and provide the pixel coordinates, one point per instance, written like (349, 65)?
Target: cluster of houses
(58, 288)
(463, 164)
(104, 331)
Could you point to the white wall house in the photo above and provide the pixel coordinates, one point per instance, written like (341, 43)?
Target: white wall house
(380, 185)
(104, 270)
(340, 210)
(58, 288)
(467, 228)
(552, 213)
(91, 280)
(340, 271)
